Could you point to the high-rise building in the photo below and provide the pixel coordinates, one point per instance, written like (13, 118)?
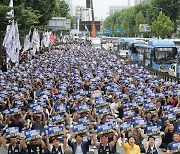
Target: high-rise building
(82, 13)
(113, 9)
(69, 2)
(139, 1)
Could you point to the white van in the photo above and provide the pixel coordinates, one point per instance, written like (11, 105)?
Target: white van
(96, 43)
(173, 70)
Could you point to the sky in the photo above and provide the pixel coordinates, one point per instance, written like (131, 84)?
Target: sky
(101, 7)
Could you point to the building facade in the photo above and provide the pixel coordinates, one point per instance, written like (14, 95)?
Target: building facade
(139, 1)
(113, 9)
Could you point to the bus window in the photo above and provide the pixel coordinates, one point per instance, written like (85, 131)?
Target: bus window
(165, 53)
(134, 50)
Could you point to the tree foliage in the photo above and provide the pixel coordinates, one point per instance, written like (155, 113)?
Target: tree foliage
(3, 16)
(170, 8)
(144, 13)
(30, 13)
(163, 26)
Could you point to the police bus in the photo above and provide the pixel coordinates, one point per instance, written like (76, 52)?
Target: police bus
(124, 46)
(158, 54)
(134, 55)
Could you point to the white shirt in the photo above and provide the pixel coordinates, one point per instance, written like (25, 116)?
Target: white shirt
(51, 147)
(114, 107)
(79, 149)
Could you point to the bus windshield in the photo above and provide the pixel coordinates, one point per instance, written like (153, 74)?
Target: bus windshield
(165, 54)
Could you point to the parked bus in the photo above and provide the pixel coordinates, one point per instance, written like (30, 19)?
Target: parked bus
(123, 46)
(158, 54)
(133, 51)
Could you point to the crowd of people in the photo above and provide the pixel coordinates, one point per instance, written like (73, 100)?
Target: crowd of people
(74, 97)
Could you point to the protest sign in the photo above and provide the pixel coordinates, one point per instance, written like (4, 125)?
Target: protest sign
(60, 108)
(55, 131)
(57, 119)
(80, 128)
(32, 134)
(125, 126)
(104, 128)
(12, 132)
(153, 130)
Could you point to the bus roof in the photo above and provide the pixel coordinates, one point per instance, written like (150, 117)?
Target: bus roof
(161, 43)
(128, 40)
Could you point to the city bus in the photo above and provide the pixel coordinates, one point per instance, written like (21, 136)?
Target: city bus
(123, 46)
(133, 51)
(158, 54)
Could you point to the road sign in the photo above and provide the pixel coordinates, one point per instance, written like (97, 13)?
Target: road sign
(107, 31)
(144, 28)
(119, 30)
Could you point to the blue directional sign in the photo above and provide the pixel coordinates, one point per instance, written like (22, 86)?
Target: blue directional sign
(107, 31)
(119, 30)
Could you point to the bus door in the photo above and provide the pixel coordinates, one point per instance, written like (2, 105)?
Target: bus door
(141, 55)
(147, 57)
(134, 52)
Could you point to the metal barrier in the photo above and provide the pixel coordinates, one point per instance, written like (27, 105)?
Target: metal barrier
(152, 71)
(163, 75)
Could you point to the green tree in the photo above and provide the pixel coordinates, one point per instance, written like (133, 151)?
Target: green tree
(26, 17)
(163, 26)
(61, 9)
(139, 19)
(128, 22)
(170, 8)
(44, 7)
(3, 22)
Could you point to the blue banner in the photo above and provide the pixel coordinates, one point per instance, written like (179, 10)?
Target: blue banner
(83, 108)
(19, 103)
(175, 147)
(129, 113)
(60, 108)
(15, 111)
(167, 108)
(80, 128)
(57, 119)
(37, 109)
(100, 102)
(83, 120)
(12, 131)
(153, 130)
(55, 131)
(175, 110)
(170, 117)
(126, 126)
(150, 106)
(104, 128)
(103, 111)
(140, 123)
(32, 134)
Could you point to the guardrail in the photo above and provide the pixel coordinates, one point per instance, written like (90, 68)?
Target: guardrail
(163, 75)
